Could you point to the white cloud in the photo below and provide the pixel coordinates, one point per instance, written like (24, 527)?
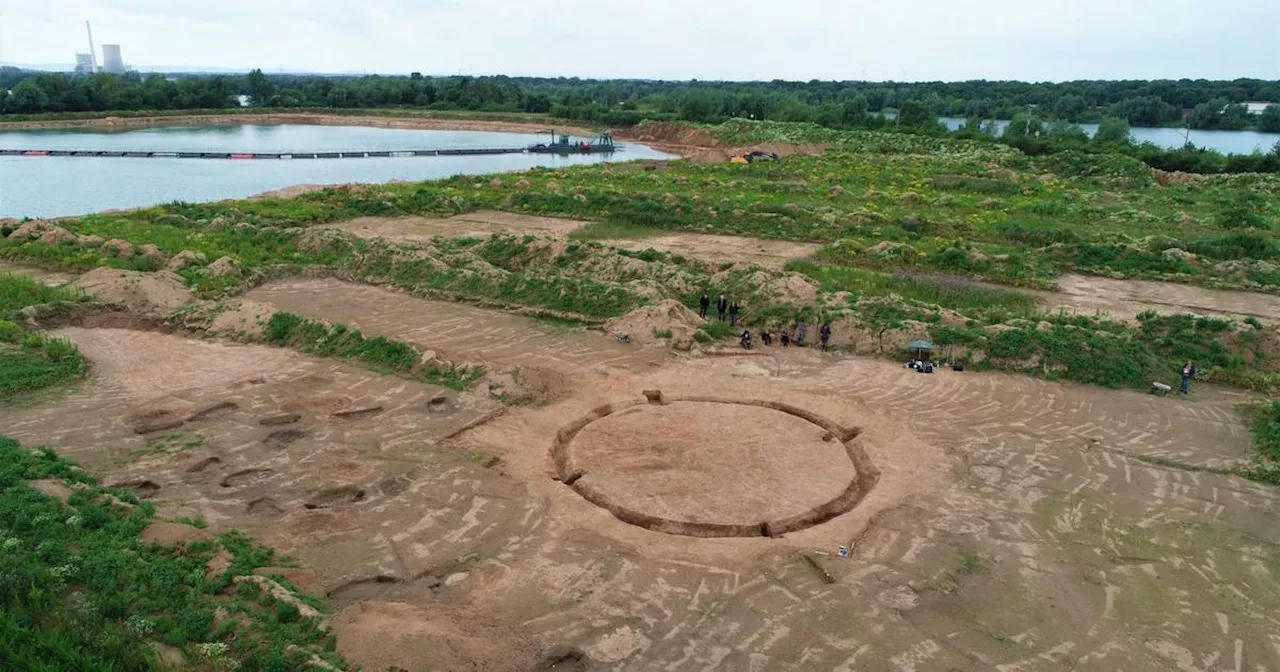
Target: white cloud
(676, 39)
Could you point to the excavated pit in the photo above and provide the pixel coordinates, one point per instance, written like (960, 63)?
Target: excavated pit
(713, 467)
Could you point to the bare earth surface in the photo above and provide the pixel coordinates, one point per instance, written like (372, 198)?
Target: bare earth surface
(47, 277)
(719, 249)
(707, 247)
(460, 331)
(729, 464)
(1012, 527)
(1124, 299)
(482, 223)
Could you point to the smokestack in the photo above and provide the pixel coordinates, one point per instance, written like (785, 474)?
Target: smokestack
(93, 55)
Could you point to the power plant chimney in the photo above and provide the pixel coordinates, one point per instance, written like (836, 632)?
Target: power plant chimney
(93, 55)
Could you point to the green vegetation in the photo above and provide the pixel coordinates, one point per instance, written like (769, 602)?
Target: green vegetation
(898, 107)
(906, 224)
(378, 353)
(31, 361)
(952, 292)
(19, 291)
(1266, 433)
(81, 591)
(612, 230)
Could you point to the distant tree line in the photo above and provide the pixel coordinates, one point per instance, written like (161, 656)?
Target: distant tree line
(1211, 104)
(1044, 114)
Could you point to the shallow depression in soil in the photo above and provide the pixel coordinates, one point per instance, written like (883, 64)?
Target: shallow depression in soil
(700, 462)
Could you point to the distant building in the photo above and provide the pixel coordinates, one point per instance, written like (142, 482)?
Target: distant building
(84, 63)
(1256, 106)
(111, 60)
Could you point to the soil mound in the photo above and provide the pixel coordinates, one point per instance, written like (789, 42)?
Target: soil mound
(243, 318)
(162, 291)
(670, 133)
(668, 320)
(794, 289)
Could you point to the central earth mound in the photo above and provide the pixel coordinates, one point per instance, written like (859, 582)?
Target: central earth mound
(714, 468)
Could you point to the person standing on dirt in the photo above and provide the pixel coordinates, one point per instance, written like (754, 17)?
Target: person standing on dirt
(722, 306)
(765, 337)
(801, 330)
(824, 334)
(1188, 372)
(734, 308)
(783, 337)
(703, 304)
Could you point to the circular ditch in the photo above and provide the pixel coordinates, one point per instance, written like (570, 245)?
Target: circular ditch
(713, 467)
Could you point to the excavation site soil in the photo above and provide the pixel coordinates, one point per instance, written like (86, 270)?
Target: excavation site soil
(643, 508)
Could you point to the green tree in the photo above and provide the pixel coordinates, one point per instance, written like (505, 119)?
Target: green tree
(27, 98)
(854, 110)
(1070, 107)
(1067, 133)
(1023, 125)
(1112, 130)
(259, 87)
(914, 113)
(1207, 114)
(1234, 117)
(698, 106)
(1269, 120)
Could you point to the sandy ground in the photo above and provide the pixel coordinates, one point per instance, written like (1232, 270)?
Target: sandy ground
(47, 277)
(416, 123)
(711, 248)
(482, 223)
(1124, 299)
(1012, 526)
(732, 465)
(719, 249)
(1016, 524)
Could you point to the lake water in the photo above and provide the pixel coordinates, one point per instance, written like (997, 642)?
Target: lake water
(1227, 142)
(60, 186)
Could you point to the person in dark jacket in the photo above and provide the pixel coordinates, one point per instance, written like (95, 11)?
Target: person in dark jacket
(783, 337)
(1188, 372)
(734, 308)
(766, 337)
(722, 306)
(824, 334)
(703, 304)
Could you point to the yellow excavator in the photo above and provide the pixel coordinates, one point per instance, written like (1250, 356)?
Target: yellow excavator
(751, 157)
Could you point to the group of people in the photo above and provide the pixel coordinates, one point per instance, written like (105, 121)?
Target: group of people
(920, 365)
(723, 308)
(731, 309)
(784, 336)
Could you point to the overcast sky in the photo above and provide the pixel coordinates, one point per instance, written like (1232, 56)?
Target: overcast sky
(670, 39)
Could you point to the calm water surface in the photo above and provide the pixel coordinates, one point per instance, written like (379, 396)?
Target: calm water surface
(1227, 142)
(60, 186)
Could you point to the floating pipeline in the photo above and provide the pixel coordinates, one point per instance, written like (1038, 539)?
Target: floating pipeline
(357, 154)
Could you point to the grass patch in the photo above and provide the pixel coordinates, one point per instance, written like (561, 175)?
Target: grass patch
(714, 331)
(378, 353)
(19, 291)
(613, 230)
(947, 291)
(30, 362)
(82, 592)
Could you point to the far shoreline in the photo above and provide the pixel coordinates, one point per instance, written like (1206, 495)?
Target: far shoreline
(373, 120)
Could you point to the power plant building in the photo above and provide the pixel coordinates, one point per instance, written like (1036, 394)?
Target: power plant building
(111, 60)
(84, 63)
